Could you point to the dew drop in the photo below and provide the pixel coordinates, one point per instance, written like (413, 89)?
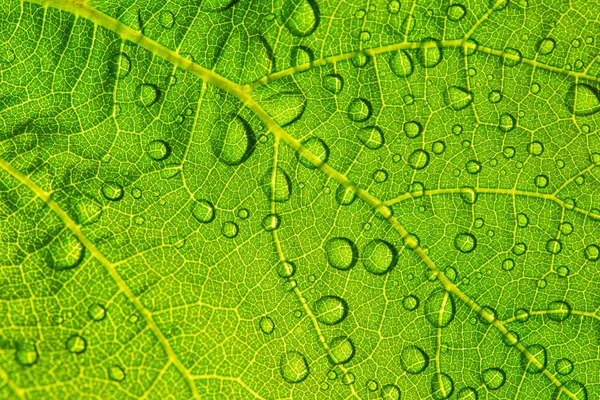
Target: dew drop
(360, 110)
(122, 65)
(414, 360)
(511, 57)
(317, 147)
(559, 310)
(412, 129)
(65, 252)
(541, 181)
(371, 136)
(379, 257)
(458, 98)
(266, 325)
(97, 312)
(301, 55)
(203, 211)
(243, 213)
(521, 315)
(76, 344)
(410, 302)
(439, 308)
(285, 269)
(506, 122)
(546, 46)
(158, 150)
(229, 229)
(372, 385)
(508, 264)
(333, 83)
(281, 189)
(417, 189)
(467, 393)
(147, 94)
(535, 148)
(418, 159)
(293, 367)
(301, 18)
(401, 64)
(348, 378)
(429, 53)
(469, 195)
(166, 19)
(576, 390)
(553, 246)
(342, 350)
(390, 392)
(116, 373)
(473, 167)
(438, 147)
(345, 196)
(562, 271)
(233, 142)
(519, 249)
(592, 252)
(456, 12)
(271, 222)
(522, 220)
(112, 191)
(331, 310)
(341, 253)
(564, 366)
(583, 99)
(442, 386)
(493, 378)
(27, 353)
(465, 242)
(539, 353)
(360, 60)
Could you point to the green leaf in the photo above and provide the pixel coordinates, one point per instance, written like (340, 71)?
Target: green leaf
(242, 199)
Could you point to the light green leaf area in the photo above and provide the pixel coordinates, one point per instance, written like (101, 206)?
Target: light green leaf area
(309, 199)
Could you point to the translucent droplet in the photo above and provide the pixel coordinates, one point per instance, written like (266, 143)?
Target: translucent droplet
(410, 302)
(27, 353)
(564, 366)
(465, 242)
(317, 147)
(333, 83)
(158, 150)
(553, 246)
(401, 64)
(380, 176)
(301, 18)
(203, 211)
(546, 46)
(342, 350)
(371, 136)
(266, 325)
(562, 271)
(541, 181)
(418, 159)
(379, 257)
(467, 393)
(76, 344)
(97, 312)
(372, 385)
(229, 229)
(438, 147)
(112, 191)
(331, 310)
(583, 99)
(519, 249)
(279, 187)
(456, 12)
(571, 390)
(559, 310)
(429, 53)
(65, 251)
(390, 392)
(493, 378)
(538, 353)
(473, 167)
(414, 360)
(166, 19)
(243, 213)
(458, 98)
(341, 253)
(469, 195)
(522, 220)
(412, 129)
(285, 269)
(116, 373)
(122, 65)
(148, 94)
(511, 57)
(301, 55)
(345, 195)
(439, 308)
(360, 59)
(234, 141)
(348, 378)
(442, 386)
(535, 148)
(293, 367)
(507, 122)
(360, 110)
(508, 264)
(286, 107)
(271, 222)
(592, 252)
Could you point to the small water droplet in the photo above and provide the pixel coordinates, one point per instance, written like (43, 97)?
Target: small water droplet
(564, 366)
(562, 271)
(539, 353)
(372, 385)
(271, 222)
(535, 148)
(285, 269)
(301, 55)
(380, 176)
(266, 325)
(429, 53)
(342, 350)
(203, 211)
(27, 353)
(511, 57)
(302, 17)
(293, 367)
(166, 19)
(541, 181)
(229, 229)
(469, 195)
(318, 148)
(546, 46)
(112, 191)
(348, 378)
(440, 308)
(97, 312)
(506, 122)
(438, 147)
(418, 159)
(465, 242)
(345, 196)
(116, 373)
(473, 167)
(147, 94)
(456, 12)
(559, 310)
(333, 83)
(331, 310)
(410, 302)
(360, 110)
(76, 344)
(401, 64)
(341, 253)
(592, 252)
(442, 386)
(243, 213)
(278, 189)
(508, 264)
(412, 129)
(414, 360)
(379, 257)
(493, 378)
(467, 393)
(458, 98)
(553, 246)
(390, 392)
(234, 141)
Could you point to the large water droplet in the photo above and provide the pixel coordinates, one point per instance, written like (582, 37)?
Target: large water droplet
(371, 136)
(158, 150)
(390, 392)
(278, 187)
(112, 191)
(65, 252)
(506, 122)
(334, 83)
(147, 94)
(493, 378)
(592, 252)
(458, 98)
(97, 312)
(331, 310)
(442, 386)
(412, 129)
(583, 99)
(345, 195)
(546, 46)
(317, 147)
(537, 352)
(465, 242)
(468, 195)
(559, 310)
(271, 222)
(293, 367)
(27, 353)
(439, 308)
(285, 269)
(379, 257)
(553, 246)
(401, 64)
(571, 390)
(430, 53)
(203, 211)
(286, 107)
(414, 360)
(341, 253)
(76, 344)
(360, 110)
(342, 349)
(467, 393)
(116, 373)
(302, 17)
(418, 159)
(233, 142)
(564, 366)
(456, 12)
(266, 325)
(122, 65)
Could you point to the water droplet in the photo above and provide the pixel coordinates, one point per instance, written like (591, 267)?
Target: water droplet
(541, 181)
(442, 386)
(317, 147)
(234, 141)
(266, 325)
(412, 129)
(27, 353)
(243, 213)
(293, 367)
(371, 136)
(519, 249)
(511, 57)
(380, 176)
(535, 148)
(410, 302)
(390, 392)
(360, 59)
(344, 196)
(331, 310)
(333, 83)
(348, 378)
(414, 360)
(229, 229)
(535, 88)
(511, 338)
(583, 99)
(418, 159)
(508, 264)
(116, 373)
(469, 195)
(465, 242)
(285, 269)
(401, 64)
(147, 94)
(360, 110)
(65, 251)
(301, 55)
(342, 350)
(553, 246)
(278, 189)
(522, 220)
(467, 393)
(576, 390)
(364, 36)
(332, 375)
(372, 385)
(429, 53)
(112, 191)
(451, 273)
(97, 312)
(158, 150)
(595, 159)
(286, 107)
(439, 308)
(493, 378)
(592, 252)
(121, 64)
(302, 17)
(506, 122)
(203, 211)
(76, 344)
(456, 12)
(546, 46)
(166, 19)
(473, 167)
(559, 310)
(562, 271)
(341, 253)
(438, 147)
(271, 222)
(564, 366)
(458, 98)
(538, 352)
(379, 257)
